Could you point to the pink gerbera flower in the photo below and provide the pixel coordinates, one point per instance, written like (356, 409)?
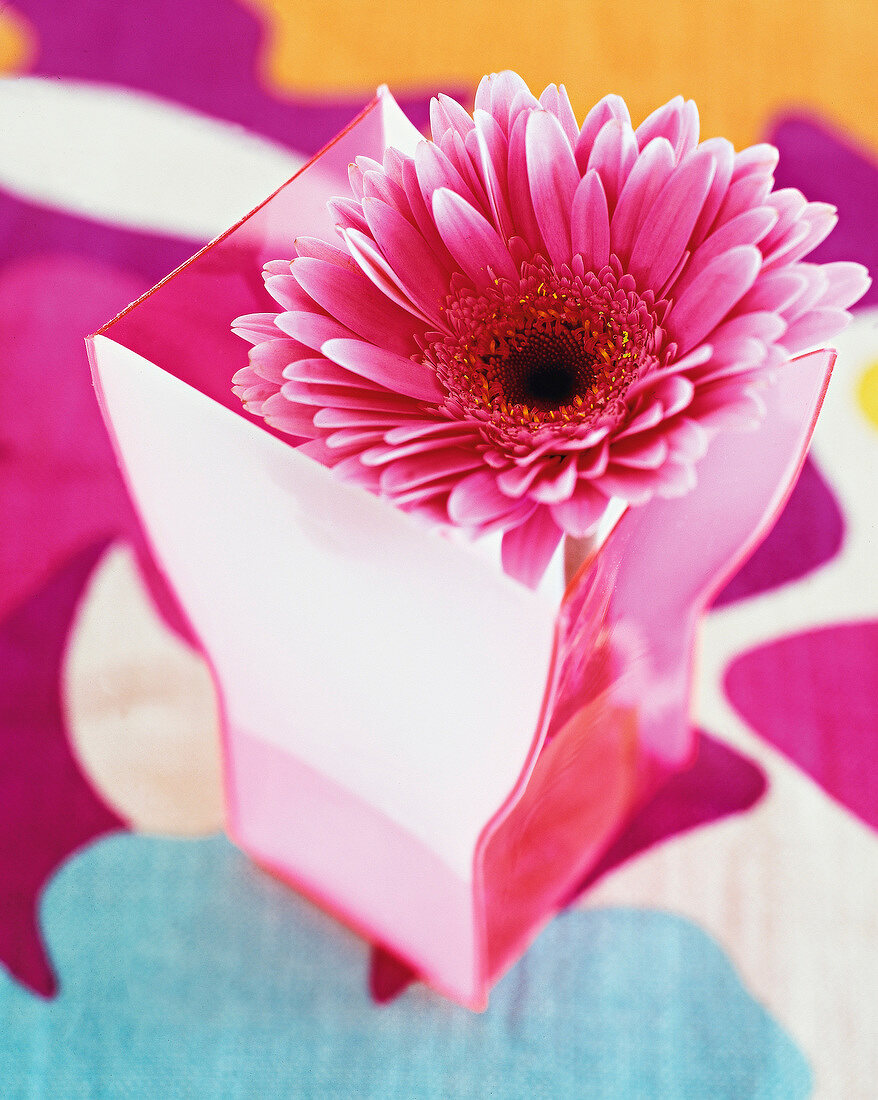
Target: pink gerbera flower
(528, 319)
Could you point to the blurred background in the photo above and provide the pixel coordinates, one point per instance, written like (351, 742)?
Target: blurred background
(741, 61)
(734, 952)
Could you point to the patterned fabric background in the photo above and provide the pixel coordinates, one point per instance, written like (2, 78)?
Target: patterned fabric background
(727, 946)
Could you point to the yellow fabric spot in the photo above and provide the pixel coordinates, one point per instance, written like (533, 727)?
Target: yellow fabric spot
(315, 48)
(18, 42)
(867, 394)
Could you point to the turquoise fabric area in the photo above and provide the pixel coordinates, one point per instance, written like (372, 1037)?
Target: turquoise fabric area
(186, 972)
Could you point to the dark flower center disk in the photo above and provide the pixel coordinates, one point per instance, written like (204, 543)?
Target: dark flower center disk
(553, 351)
(544, 370)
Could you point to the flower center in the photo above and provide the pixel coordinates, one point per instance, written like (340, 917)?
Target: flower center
(557, 349)
(545, 370)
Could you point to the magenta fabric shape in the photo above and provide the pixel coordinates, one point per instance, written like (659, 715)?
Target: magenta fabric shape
(524, 319)
(825, 717)
(430, 749)
(48, 809)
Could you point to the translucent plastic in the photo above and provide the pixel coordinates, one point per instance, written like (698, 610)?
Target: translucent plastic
(433, 752)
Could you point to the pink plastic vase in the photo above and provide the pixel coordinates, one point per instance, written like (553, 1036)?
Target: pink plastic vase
(428, 749)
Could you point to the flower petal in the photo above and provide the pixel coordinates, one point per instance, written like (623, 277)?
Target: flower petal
(446, 113)
(790, 205)
(520, 205)
(555, 482)
(269, 358)
(378, 185)
(651, 169)
(471, 240)
(255, 327)
(364, 398)
(417, 470)
(355, 179)
(613, 155)
(292, 418)
(516, 480)
(355, 439)
(590, 223)
(553, 178)
(687, 440)
(429, 498)
(347, 213)
(323, 371)
(371, 261)
(581, 512)
(423, 215)
(668, 225)
(644, 421)
(665, 121)
(610, 107)
(739, 357)
(724, 154)
(556, 100)
(477, 500)
(763, 325)
(251, 389)
(381, 453)
(357, 303)
(276, 267)
(821, 219)
(411, 259)
(287, 292)
(727, 405)
(527, 549)
(747, 228)
(674, 393)
(312, 328)
(322, 250)
(379, 365)
(592, 462)
(687, 363)
(641, 454)
(703, 305)
(434, 170)
(639, 486)
(848, 282)
(812, 329)
(493, 153)
(690, 129)
(352, 417)
(426, 428)
(744, 194)
(497, 92)
(758, 159)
